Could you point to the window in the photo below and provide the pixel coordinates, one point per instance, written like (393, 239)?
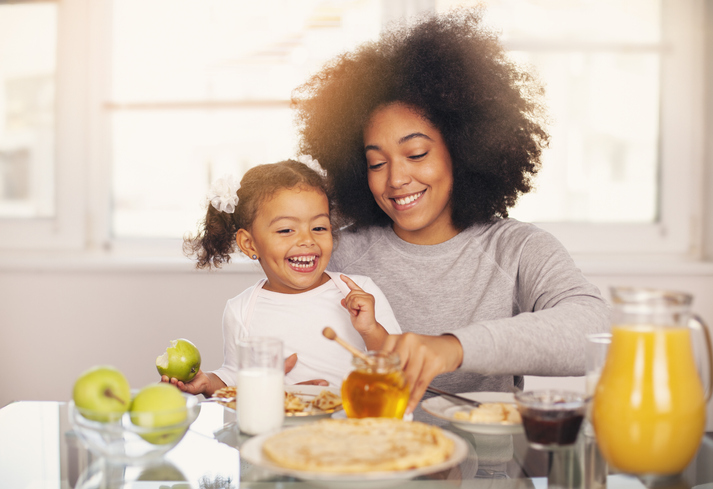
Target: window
(42, 116)
(156, 98)
(27, 82)
(622, 90)
(186, 109)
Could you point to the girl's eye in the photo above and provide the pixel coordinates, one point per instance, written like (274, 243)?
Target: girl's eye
(320, 228)
(418, 157)
(284, 231)
(376, 166)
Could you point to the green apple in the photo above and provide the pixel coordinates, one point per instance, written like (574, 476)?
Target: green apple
(102, 393)
(157, 406)
(181, 360)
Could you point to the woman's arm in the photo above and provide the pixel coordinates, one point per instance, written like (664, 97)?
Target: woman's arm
(556, 306)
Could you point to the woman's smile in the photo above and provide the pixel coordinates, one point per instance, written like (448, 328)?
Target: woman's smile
(403, 203)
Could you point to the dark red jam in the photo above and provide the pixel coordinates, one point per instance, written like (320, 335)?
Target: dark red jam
(547, 428)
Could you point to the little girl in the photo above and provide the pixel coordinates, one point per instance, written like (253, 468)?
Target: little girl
(279, 215)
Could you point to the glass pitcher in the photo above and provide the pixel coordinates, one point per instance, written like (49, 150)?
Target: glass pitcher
(649, 407)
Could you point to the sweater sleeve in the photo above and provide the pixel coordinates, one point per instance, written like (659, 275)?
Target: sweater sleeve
(554, 308)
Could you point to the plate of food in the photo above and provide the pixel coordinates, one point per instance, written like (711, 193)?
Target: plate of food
(344, 451)
(302, 402)
(497, 415)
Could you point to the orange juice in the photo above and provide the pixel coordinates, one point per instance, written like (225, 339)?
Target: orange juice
(649, 406)
(376, 390)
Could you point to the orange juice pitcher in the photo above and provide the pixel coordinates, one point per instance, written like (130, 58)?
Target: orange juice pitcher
(649, 407)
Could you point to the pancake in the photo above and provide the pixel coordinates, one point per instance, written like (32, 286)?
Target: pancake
(358, 445)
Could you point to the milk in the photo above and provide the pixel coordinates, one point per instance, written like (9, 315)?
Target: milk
(261, 400)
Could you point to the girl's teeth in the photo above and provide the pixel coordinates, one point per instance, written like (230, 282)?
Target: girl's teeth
(409, 199)
(302, 261)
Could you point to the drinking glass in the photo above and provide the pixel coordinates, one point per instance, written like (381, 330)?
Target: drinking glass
(260, 386)
(595, 354)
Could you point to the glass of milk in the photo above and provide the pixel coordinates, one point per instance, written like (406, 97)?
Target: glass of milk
(261, 392)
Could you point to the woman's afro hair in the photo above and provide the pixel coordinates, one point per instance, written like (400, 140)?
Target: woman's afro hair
(453, 71)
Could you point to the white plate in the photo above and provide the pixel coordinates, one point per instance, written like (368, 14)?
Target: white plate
(251, 451)
(443, 408)
(307, 393)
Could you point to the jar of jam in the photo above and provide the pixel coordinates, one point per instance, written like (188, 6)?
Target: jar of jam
(376, 388)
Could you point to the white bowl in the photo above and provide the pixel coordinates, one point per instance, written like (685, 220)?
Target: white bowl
(124, 442)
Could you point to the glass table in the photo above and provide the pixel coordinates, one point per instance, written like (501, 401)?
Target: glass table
(39, 450)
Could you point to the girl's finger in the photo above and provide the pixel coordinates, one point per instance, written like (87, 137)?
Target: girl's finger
(350, 283)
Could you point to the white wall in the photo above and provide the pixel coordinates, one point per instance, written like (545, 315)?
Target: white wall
(56, 321)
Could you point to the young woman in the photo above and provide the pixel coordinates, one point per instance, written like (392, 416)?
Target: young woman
(429, 136)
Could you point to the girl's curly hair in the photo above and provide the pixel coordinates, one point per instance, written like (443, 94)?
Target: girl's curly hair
(215, 240)
(454, 72)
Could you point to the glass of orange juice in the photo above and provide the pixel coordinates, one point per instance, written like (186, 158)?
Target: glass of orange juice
(376, 388)
(649, 406)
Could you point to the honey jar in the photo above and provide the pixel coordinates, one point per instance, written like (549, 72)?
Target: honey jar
(376, 388)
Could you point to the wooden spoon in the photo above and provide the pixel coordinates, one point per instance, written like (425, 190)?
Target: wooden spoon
(331, 335)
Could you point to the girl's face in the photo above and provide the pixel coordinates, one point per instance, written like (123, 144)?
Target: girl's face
(292, 236)
(410, 174)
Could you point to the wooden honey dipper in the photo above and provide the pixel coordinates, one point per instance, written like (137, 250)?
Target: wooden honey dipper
(331, 335)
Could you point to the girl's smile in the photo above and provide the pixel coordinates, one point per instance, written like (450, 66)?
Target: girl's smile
(410, 173)
(292, 237)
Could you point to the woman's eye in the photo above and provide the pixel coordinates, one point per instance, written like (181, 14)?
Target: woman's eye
(376, 166)
(418, 157)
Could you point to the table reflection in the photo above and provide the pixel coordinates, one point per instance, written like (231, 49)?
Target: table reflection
(39, 450)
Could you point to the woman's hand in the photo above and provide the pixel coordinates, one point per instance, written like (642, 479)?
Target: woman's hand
(424, 357)
(290, 363)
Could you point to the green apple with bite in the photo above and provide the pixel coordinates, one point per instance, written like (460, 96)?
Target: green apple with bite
(157, 406)
(181, 360)
(102, 393)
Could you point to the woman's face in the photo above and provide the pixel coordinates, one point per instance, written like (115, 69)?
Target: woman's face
(410, 173)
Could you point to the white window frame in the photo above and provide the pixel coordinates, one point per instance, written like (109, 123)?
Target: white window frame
(82, 222)
(66, 230)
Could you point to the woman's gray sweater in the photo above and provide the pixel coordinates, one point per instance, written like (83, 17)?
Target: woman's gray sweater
(508, 291)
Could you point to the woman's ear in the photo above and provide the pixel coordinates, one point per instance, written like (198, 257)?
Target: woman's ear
(246, 243)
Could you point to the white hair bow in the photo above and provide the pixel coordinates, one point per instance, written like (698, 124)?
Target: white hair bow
(312, 164)
(223, 194)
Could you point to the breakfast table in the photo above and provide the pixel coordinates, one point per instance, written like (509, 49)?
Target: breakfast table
(40, 450)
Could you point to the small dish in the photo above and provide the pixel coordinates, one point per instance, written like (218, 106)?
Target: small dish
(444, 408)
(307, 393)
(551, 418)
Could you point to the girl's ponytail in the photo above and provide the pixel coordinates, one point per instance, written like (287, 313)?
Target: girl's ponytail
(215, 240)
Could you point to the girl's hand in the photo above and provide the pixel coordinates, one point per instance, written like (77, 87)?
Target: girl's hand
(200, 384)
(424, 357)
(290, 363)
(362, 310)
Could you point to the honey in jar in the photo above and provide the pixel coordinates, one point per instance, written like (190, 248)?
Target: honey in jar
(377, 388)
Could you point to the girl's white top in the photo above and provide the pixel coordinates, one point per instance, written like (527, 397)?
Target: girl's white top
(298, 320)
